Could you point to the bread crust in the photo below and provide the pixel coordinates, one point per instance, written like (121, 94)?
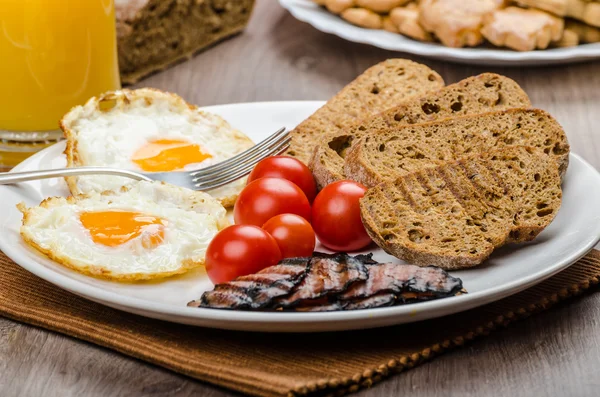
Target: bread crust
(474, 95)
(154, 34)
(378, 88)
(359, 164)
(526, 200)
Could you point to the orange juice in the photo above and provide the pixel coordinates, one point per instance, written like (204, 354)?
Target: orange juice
(54, 54)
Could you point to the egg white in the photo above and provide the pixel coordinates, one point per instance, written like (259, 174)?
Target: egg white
(191, 220)
(108, 130)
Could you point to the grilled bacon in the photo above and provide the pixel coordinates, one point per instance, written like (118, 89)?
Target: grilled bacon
(407, 282)
(256, 291)
(327, 282)
(326, 275)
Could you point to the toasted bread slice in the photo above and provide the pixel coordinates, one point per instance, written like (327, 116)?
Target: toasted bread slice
(378, 88)
(392, 152)
(454, 215)
(478, 94)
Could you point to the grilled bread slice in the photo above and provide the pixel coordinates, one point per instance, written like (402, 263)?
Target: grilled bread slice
(478, 94)
(391, 152)
(378, 88)
(454, 215)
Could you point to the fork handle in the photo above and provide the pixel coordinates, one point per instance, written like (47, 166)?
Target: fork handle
(15, 177)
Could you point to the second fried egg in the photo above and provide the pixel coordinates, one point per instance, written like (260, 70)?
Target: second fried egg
(147, 130)
(146, 231)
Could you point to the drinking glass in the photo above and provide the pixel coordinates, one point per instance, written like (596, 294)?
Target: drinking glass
(54, 54)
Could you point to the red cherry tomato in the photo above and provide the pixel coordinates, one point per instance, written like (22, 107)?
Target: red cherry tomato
(294, 235)
(336, 217)
(264, 198)
(239, 250)
(287, 168)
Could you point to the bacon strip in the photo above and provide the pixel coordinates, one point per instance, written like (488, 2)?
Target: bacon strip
(327, 275)
(256, 291)
(331, 282)
(390, 277)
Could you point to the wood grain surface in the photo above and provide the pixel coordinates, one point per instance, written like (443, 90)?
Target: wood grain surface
(556, 353)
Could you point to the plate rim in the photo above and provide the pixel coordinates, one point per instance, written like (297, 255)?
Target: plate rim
(579, 53)
(243, 320)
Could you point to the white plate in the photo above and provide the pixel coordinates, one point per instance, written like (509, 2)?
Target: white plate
(575, 230)
(321, 19)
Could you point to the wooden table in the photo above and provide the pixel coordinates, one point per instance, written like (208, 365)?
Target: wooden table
(279, 58)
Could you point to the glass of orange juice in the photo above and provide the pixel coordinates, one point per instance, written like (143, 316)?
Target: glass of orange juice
(54, 54)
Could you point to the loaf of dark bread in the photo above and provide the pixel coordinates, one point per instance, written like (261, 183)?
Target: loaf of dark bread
(473, 95)
(152, 34)
(388, 153)
(378, 88)
(455, 214)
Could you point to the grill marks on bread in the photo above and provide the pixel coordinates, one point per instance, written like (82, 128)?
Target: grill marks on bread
(391, 153)
(478, 94)
(454, 215)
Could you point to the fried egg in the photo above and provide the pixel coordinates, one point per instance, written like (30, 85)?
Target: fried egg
(150, 131)
(145, 231)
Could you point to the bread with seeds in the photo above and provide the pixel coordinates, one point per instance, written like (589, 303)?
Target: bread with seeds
(455, 215)
(392, 152)
(478, 94)
(378, 88)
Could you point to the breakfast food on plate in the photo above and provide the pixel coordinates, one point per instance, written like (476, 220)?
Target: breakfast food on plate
(586, 33)
(145, 231)
(289, 168)
(381, 6)
(522, 25)
(472, 95)
(378, 88)
(583, 10)
(570, 38)
(377, 6)
(363, 18)
(454, 215)
(147, 130)
(331, 282)
(436, 176)
(336, 217)
(456, 23)
(522, 30)
(406, 21)
(387, 154)
(152, 34)
(389, 25)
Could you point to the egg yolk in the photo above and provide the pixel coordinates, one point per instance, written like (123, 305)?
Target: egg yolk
(168, 155)
(113, 228)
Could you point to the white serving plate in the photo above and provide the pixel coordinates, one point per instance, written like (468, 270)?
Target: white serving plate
(309, 12)
(575, 230)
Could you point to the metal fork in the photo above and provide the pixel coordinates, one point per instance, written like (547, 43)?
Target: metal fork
(202, 179)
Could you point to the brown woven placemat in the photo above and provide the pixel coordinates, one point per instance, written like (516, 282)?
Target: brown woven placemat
(276, 364)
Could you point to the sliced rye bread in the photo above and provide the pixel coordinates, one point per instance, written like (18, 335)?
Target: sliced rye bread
(391, 152)
(454, 215)
(378, 88)
(473, 95)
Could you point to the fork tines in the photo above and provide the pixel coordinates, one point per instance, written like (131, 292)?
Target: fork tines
(236, 167)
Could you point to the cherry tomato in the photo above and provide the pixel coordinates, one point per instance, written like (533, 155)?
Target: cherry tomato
(287, 168)
(264, 198)
(239, 250)
(336, 217)
(294, 235)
